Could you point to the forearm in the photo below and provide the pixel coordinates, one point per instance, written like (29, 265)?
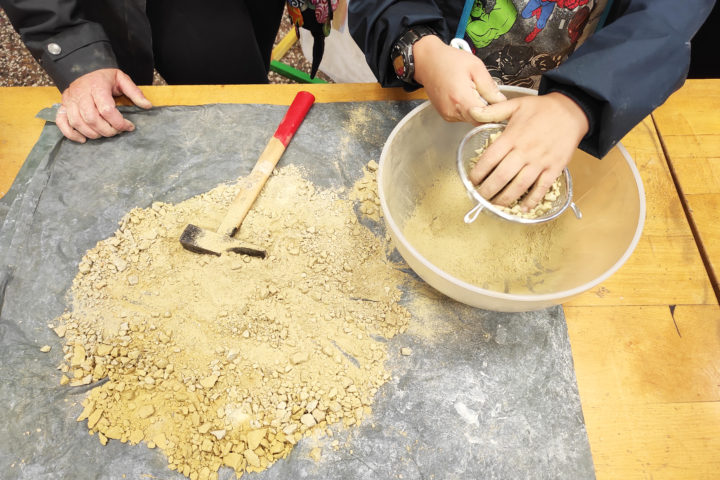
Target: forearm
(426, 51)
(66, 45)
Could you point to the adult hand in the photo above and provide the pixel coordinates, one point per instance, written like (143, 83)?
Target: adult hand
(454, 80)
(88, 108)
(541, 136)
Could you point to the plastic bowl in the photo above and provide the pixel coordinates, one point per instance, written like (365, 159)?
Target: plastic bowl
(494, 264)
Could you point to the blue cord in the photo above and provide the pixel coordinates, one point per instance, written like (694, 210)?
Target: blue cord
(603, 18)
(464, 19)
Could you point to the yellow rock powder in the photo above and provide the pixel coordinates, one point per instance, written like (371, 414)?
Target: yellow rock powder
(231, 360)
(365, 191)
(490, 253)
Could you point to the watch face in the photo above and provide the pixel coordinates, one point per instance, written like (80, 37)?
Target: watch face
(399, 66)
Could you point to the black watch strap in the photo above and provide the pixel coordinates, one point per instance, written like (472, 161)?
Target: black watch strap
(401, 54)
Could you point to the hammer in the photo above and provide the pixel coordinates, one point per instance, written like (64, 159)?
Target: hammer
(200, 240)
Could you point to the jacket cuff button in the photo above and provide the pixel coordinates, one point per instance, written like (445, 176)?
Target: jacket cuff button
(54, 48)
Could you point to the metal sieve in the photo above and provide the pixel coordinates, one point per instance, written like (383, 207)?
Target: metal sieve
(478, 139)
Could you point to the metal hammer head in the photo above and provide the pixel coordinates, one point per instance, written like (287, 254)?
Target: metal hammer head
(199, 240)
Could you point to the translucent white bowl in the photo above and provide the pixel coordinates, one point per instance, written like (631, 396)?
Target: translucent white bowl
(472, 264)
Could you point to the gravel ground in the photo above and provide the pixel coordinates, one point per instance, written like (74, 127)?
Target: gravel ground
(19, 69)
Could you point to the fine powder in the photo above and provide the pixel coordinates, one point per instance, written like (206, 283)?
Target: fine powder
(231, 360)
(490, 253)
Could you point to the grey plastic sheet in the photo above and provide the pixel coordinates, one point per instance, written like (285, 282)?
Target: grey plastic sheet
(487, 396)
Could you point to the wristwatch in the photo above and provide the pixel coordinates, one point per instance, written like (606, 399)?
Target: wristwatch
(401, 53)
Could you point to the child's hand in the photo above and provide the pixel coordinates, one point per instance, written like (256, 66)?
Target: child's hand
(540, 138)
(455, 80)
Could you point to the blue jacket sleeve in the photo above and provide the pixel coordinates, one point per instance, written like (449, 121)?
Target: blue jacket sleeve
(376, 25)
(78, 46)
(630, 67)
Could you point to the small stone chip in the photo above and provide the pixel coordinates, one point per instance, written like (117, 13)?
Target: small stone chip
(308, 420)
(207, 445)
(45, 348)
(78, 355)
(252, 458)
(319, 415)
(406, 351)
(204, 474)
(276, 448)
(160, 440)
(115, 432)
(316, 454)
(86, 412)
(233, 460)
(119, 263)
(255, 437)
(299, 357)
(103, 349)
(146, 411)
(94, 417)
(209, 382)
(136, 436)
(60, 330)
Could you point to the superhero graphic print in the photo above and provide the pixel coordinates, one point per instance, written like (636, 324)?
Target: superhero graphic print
(520, 39)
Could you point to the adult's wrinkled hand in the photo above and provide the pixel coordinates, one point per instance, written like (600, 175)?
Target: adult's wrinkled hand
(88, 105)
(541, 136)
(454, 80)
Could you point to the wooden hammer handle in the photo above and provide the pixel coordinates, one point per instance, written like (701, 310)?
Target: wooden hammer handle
(251, 185)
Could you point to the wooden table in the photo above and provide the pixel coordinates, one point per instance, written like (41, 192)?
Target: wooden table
(689, 128)
(646, 342)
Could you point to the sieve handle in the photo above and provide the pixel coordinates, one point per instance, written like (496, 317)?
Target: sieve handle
(472, 215)
(576, 210)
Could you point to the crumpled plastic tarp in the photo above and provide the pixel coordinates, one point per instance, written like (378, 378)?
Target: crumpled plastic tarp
(495, 398)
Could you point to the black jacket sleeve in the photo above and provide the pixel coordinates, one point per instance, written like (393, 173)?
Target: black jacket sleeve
(618, 76)
(376, 26)
(630, 67)
(65, 45)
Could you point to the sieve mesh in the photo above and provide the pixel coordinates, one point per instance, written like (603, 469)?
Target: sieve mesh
(476, 141)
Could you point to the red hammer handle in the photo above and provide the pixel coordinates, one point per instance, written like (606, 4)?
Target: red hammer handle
(294, 117)
(251, 185)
